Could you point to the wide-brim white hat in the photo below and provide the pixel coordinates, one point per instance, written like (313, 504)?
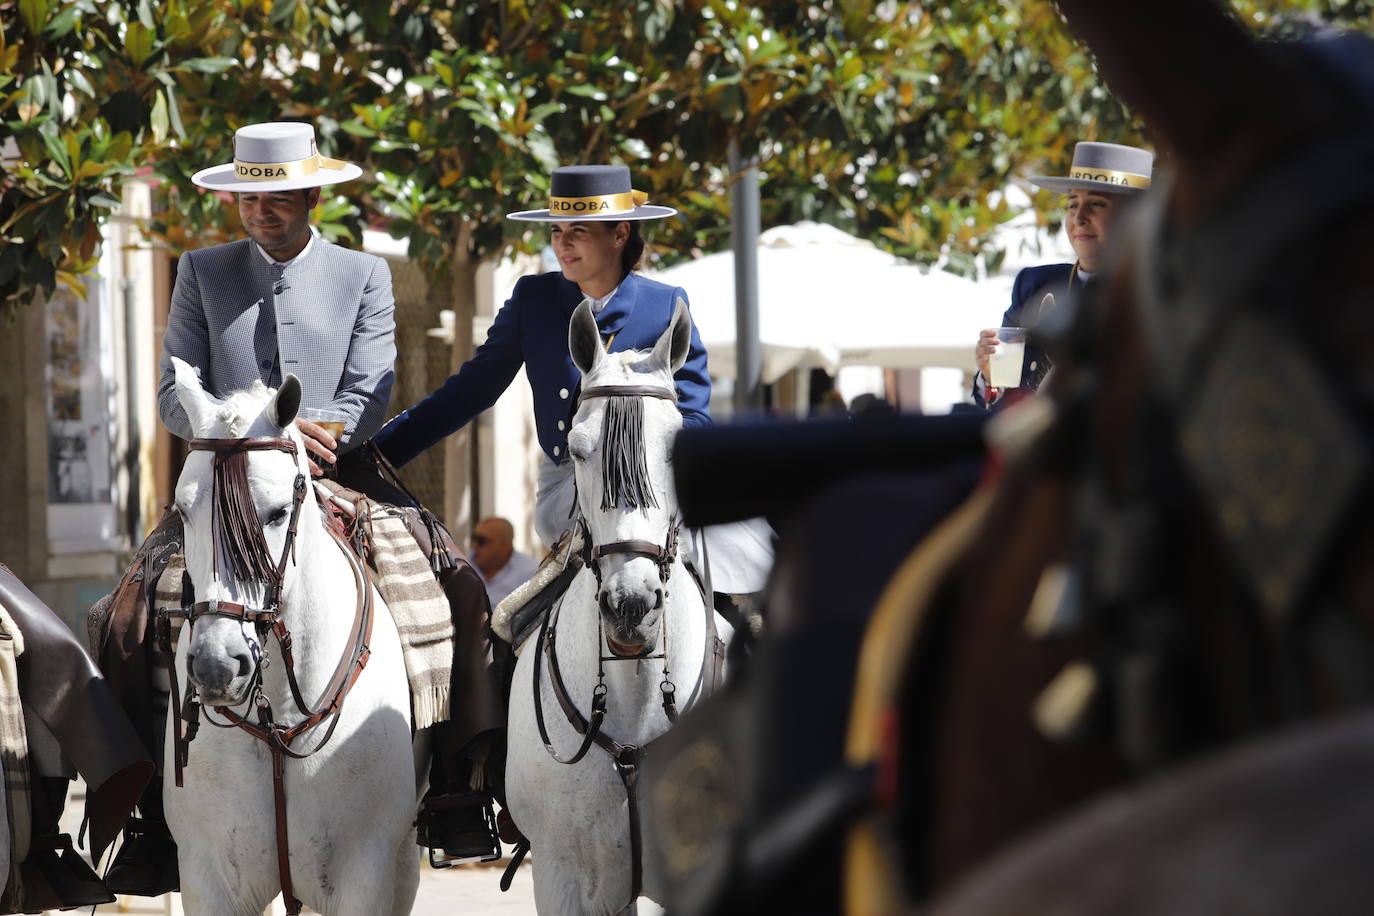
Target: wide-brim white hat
(1109, 167)
(592, 193)
(275, 156)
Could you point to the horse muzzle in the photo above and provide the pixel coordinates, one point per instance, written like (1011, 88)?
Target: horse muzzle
(631, 622)
(221, 675)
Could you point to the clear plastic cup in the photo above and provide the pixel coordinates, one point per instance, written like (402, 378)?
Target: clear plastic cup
(1007, 361)
(330, 418)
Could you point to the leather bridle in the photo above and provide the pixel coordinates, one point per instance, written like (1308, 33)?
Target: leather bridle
(267, 619)
(627, 758)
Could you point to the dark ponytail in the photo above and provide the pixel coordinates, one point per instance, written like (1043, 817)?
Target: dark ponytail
(633, 250)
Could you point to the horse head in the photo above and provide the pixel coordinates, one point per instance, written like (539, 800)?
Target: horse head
(621, 448)
(240, 495)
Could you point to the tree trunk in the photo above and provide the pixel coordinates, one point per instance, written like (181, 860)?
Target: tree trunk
(459, 456)
(24, 443)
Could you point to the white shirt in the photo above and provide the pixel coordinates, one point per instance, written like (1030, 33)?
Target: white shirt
(599, 304)
(508, 578)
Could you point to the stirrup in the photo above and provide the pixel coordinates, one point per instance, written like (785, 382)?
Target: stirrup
(484, 834)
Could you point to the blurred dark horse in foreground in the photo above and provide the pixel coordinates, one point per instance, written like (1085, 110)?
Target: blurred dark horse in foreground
(1207, 441)
(1174, 557)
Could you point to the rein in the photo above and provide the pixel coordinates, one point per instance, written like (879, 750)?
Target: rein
(627, 758)
(267, 619)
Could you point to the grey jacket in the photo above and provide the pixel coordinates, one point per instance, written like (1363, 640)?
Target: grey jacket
(329, 317)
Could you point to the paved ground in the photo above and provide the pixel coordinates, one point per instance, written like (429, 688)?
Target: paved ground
(461, 889)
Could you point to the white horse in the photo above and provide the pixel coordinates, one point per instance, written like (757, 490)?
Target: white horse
(350, 806)
(631, 601)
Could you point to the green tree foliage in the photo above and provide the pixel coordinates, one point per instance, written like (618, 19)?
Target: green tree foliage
(88, 92)
(901, 122)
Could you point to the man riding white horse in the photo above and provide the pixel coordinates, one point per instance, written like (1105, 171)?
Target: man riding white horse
(286, 300)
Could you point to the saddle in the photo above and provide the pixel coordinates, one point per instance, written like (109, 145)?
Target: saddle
(64, 697)
(523, 610)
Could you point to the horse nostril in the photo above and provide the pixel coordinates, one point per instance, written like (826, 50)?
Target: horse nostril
(605, 603)
(658, 599)
(244, 665)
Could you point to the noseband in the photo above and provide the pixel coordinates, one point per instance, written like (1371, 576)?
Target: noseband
(247, 554)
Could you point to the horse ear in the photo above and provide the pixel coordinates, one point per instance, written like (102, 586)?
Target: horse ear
(286, 402)
(195, 400)
(674, 344)
(584, 339)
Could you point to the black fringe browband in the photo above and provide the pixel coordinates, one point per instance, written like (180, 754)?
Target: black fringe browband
(624, 466)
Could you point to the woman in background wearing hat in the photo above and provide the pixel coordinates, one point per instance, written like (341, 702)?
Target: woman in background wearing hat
(1101, 182)
(594, 218)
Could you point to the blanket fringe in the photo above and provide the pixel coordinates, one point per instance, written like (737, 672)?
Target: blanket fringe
(430, 706)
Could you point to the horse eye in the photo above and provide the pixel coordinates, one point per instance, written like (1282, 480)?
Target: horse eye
(277, 517)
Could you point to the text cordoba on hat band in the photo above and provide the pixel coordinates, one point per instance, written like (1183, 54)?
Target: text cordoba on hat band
(272, 171)
(1112, 176)
(599, 203)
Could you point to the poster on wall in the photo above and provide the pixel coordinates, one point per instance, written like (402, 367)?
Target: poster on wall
(78, 466)
(79, 377)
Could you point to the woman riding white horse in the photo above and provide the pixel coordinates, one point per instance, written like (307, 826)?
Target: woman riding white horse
(257, 551)
(631, 640)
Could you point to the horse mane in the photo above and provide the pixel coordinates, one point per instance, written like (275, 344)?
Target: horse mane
(238, 411)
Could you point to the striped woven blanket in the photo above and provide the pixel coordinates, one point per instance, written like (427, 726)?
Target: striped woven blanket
(418, 606)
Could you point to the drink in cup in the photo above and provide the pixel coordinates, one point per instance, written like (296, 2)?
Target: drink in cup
(327, 417)
(1005, 364)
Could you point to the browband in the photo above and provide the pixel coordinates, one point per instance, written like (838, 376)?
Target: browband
(629, 391)
(257, 443)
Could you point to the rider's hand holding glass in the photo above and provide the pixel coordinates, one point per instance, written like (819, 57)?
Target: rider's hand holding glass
(321, 429)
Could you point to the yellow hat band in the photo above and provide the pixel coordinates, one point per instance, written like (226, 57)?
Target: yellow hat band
(1111, 176)
(601, 204)
(276, 171)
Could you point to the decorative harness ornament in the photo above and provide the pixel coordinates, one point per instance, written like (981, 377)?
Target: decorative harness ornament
(247, 551)
(627, 758)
